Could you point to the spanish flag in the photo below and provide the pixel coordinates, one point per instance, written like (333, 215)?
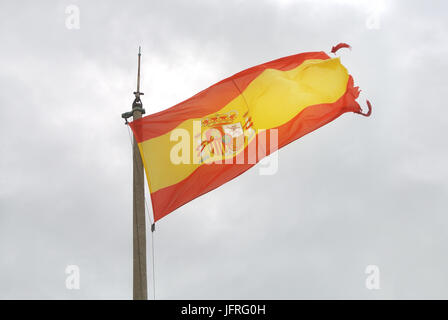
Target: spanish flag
(216, 135)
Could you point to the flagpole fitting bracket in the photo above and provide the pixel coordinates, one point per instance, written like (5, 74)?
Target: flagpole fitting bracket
(126, 115)
(137, 105)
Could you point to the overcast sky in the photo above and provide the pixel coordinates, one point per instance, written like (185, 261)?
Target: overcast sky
(357, 192)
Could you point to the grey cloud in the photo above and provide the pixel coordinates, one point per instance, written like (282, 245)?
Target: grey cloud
(355, 192)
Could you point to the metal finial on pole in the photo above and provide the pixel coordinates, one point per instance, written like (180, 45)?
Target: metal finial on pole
(138, 73)
(137, 104)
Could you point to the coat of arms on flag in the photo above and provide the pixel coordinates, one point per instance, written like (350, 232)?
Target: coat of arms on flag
(224, 136)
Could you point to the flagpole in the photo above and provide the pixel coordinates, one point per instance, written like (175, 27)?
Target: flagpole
(140, 291)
